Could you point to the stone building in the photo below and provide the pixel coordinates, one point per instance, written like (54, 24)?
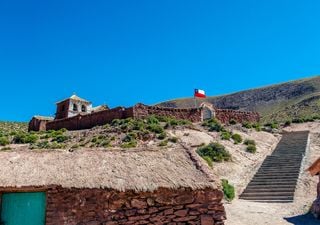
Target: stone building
(75, 113)
(98, 187)
(314, 170)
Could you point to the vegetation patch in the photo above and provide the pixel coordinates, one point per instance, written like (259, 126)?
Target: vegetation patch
(228, 190)
(215, 151)
(225, 135)
(236, 138)
(213, 125)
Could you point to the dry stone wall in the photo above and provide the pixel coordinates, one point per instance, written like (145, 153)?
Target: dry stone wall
(87, 121)
(110, 207)
(225, 115)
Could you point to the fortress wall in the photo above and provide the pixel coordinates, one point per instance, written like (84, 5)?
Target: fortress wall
(192, 114)
(225, 115)
(89, 120)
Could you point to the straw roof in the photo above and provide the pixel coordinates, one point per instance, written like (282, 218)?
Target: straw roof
(314, 169)
(139, 170)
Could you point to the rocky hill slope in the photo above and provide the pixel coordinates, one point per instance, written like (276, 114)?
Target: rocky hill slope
(294, 99)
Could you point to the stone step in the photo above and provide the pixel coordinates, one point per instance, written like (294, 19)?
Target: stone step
(276, 179)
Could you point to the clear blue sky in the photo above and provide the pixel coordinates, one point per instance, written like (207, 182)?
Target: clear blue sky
(123, 52)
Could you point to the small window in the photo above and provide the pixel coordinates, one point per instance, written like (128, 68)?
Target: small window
(63, 107)
(83, 108)
(75, 107)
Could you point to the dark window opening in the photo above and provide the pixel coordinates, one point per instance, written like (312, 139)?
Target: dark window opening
(75, 107)
(83, 108)
(63, 107)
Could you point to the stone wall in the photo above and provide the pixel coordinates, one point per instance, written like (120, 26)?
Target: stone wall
(87, 121)
(109, 207)
(225, 115)
(193, 114)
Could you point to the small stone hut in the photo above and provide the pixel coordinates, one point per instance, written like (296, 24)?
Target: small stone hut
(108, 187)
(314, 170)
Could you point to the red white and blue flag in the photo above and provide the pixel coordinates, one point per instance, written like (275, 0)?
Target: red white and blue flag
(199, 93)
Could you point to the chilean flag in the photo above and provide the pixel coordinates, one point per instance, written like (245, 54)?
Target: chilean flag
(199, 93)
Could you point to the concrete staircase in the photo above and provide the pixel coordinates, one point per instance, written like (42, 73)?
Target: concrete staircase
(277, 177)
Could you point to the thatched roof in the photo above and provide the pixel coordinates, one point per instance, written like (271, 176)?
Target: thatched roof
(314, 169)
(140, 170)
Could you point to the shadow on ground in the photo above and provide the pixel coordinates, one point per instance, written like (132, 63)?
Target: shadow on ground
(306, 219)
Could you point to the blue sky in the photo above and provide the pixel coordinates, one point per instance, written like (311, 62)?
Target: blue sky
(122, 52)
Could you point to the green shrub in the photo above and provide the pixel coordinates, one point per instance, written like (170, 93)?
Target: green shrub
(155, 128)
(226, 135)
(247, 125)
(4, 141)
(131, 144)
(60, 138)
(163, 143)
(232, 122)
(5, 149)
(298, 120)
(287, 123)
(208, 160)
(228, 190)
(173, 139)
(152, 120)
(24, 138)
(213, 125)
(215, 151)
(251, 148)
(236, 138)
(249, 142)
(257, 126)
(162, 136)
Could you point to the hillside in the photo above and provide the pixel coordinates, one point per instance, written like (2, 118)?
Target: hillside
(294, 99)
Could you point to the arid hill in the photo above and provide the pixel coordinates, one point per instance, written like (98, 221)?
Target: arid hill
(294, 99)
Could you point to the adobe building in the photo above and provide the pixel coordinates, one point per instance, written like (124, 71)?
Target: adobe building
(75, 113)
(98, 187)
(314, 170)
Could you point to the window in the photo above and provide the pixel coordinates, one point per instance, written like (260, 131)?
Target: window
(75, 107)
(83, 108)
(63, 107)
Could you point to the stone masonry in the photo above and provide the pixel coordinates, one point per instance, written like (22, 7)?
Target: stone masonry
(110, 207)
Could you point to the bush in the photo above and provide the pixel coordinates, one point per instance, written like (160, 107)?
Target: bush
(297, 120)
(130, 144)
(249, 142)
(24, 138)
(163, 143)
(60, 138)
(215, 151)
(257, 126)
(208, 160)
(226, 135)
(228, 190)
(247, 125)
(155, 128)
(251, 148)
(4, 141)
(152, 120)
(232, 122)
(287, 123)
(236, 138)
(213, 125)
(162, 136)
(173, 139)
